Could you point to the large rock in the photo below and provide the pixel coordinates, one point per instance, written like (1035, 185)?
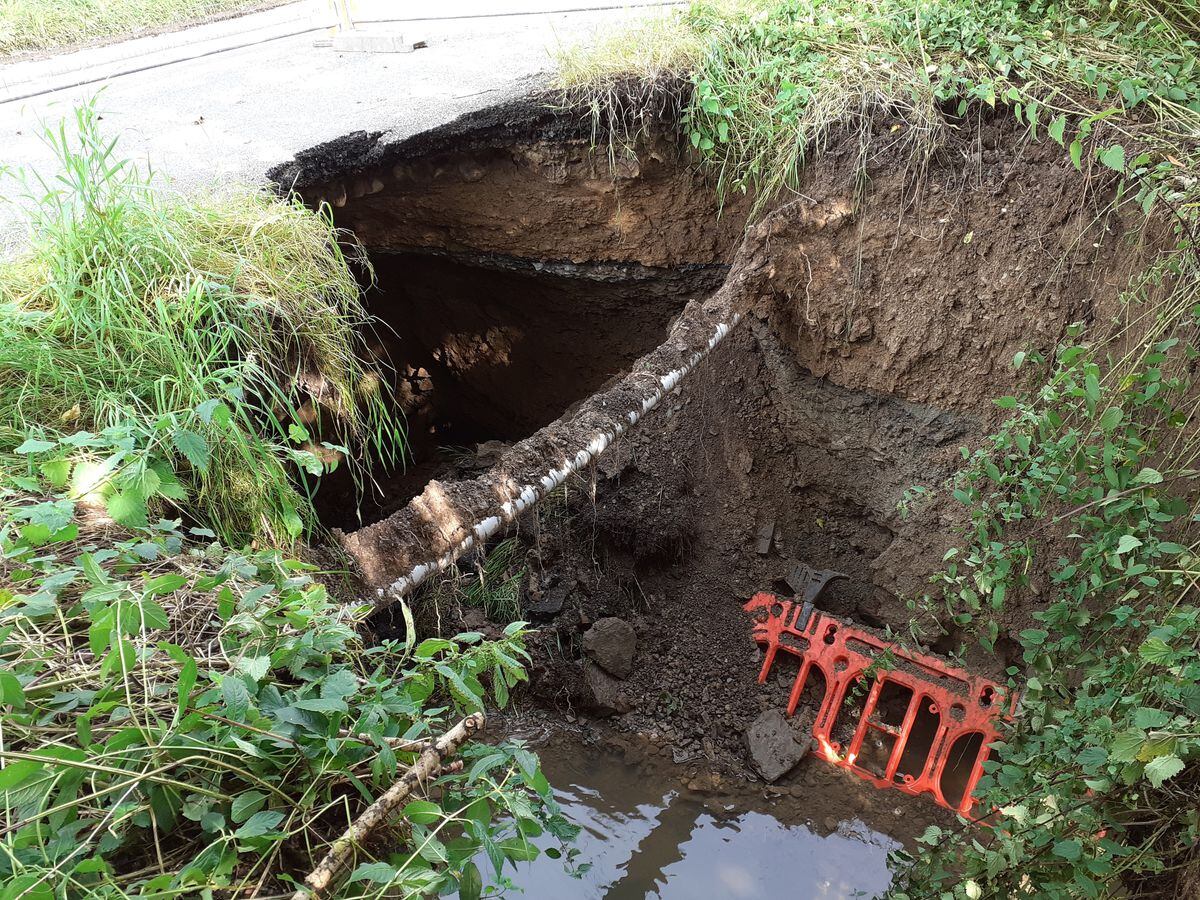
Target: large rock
(607, 696)
(775, 745)
(612, 644)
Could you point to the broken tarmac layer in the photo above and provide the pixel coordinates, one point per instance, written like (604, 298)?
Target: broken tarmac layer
(871, 343)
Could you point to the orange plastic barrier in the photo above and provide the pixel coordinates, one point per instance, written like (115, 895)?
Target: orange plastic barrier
(923, 727)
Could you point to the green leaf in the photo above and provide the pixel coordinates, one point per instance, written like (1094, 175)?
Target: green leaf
(127, 508)
(1034, 636)
(1145, 717)
(236, 697)
(1128, 542)
(1111, 418)
(1056, 129)
(1162, 768)
(11, 692)
(1114, 158)
(470, 884)
(340, 685)
(322, 704)
(1069, 850)
(33, 445)
(422, 812)
(1006, 402)
(246, 804)
(256, 667)
(375, 872)
(1077, 154)
(1126, 746)
(57, 472)
(165, 584)
(1148, 476)
(259, 824)
(1156, 651)
(193, 446)
(15, 772)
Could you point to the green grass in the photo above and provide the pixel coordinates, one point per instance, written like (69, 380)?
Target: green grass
(195, 351)
(31, 26)
(1088, 490)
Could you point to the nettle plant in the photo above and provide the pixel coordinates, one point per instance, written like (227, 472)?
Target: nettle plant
(181, 719)
(1079, 506)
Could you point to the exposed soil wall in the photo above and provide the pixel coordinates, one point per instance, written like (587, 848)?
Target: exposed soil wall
(878, 327)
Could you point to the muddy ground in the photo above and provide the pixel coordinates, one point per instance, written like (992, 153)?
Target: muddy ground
(519, 271)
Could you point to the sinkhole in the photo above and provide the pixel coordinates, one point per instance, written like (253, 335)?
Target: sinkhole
(520, 271)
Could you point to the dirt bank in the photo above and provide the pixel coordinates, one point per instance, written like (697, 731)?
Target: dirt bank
(873, 343)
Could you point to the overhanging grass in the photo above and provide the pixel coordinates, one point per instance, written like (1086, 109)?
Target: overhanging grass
(157, 348)
(28, 26)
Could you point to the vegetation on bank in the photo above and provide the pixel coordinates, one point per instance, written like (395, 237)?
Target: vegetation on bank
(186, 710)
(31, 26)
(1096, 788)
(157, 349)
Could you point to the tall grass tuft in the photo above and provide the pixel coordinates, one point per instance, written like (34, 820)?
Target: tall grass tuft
(158, 348)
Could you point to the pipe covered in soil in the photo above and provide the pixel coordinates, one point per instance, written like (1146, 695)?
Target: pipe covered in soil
(448, 520)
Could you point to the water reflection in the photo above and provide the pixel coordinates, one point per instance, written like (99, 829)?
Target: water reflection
(646, 838)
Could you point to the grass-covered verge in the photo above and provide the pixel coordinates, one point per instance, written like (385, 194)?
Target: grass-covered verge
(33, 26)
(185, 708)
(178, 719)
(203, 352)
(1090, 487)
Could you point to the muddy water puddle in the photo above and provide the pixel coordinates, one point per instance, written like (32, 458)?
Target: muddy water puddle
(644, 835)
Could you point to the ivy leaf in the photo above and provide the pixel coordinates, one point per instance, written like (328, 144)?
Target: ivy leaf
(1114, 158)
(1162, 768)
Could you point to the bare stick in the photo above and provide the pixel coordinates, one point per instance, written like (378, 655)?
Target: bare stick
(426, 766)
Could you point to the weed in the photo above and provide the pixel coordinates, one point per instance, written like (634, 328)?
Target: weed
(174, 714)
(155, 349)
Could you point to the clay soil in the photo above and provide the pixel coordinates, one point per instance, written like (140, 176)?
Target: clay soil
(872, 346)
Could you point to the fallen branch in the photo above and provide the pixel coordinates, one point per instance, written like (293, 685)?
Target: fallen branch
(428, 764)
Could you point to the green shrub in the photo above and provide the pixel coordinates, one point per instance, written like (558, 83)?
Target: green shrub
(179, 719)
